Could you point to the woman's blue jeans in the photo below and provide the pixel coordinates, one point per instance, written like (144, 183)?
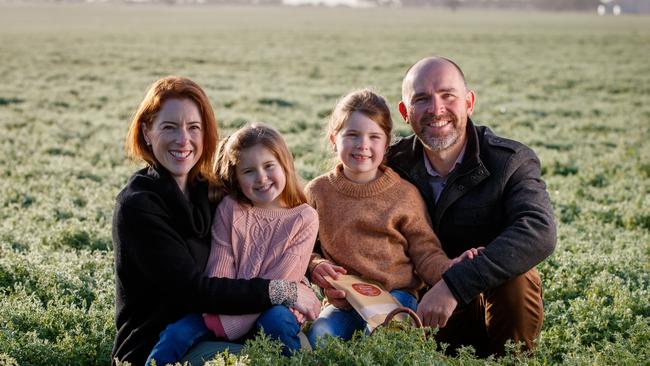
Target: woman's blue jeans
(179, 337)
(343, 323)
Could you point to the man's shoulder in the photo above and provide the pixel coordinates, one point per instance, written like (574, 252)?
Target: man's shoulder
(401, 153)
(497, 148)
(491, 140)
(401, 145)
(502, 156)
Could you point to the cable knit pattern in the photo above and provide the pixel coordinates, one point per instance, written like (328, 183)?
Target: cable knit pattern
(379, 230)
(252, 242)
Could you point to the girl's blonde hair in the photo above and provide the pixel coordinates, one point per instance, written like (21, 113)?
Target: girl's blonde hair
(257, 133)
(363, 101)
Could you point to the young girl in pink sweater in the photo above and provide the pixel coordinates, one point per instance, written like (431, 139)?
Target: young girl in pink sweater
(262, 228)
(373, 224)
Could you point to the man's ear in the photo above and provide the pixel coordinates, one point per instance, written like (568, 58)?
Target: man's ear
(470, 99)
(402, 110)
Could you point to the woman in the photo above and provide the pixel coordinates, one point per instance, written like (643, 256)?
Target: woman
(161, 227)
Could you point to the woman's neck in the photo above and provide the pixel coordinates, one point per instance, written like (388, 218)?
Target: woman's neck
(183, 186)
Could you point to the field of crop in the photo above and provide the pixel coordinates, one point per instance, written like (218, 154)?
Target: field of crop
(574, 87)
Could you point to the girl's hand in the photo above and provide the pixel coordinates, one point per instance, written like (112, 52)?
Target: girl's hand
(299, 317)
(337, 298)
(468, 254)
(326, 269)
(307, 303)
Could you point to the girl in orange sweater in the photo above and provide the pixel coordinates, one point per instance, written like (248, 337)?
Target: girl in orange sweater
(373, 224)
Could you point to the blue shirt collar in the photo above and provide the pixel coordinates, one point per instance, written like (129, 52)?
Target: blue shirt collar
(432, 172)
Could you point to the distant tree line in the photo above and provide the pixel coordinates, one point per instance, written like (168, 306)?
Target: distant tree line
(634, 6)
(517, 4)
(567, 4)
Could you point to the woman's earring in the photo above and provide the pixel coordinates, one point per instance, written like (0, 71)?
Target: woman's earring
(144, 136)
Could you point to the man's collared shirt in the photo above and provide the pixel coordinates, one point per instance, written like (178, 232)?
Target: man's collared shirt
(436, 181)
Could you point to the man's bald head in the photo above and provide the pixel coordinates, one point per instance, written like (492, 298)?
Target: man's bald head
(437, 104)
(425, 64)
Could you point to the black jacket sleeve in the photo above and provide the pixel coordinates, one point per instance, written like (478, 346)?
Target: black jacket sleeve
(160, 254)
(528, 239)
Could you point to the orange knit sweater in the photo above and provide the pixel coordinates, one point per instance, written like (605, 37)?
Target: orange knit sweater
(379, 230)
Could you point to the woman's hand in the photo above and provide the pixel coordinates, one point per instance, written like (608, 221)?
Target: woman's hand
(307, 303)
(326, 269)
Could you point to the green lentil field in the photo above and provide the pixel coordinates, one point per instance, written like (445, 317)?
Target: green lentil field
(574, 87)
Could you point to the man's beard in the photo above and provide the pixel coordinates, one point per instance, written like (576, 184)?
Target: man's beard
(438, 143)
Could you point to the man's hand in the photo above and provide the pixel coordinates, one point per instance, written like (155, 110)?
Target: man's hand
(437, 305)
(326, 269)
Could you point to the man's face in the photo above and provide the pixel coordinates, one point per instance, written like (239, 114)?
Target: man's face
(436, 104)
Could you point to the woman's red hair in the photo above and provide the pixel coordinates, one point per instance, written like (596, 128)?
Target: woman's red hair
(174, 87)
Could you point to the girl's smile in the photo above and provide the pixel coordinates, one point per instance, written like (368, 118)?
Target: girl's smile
(361, 145)
(261, 177)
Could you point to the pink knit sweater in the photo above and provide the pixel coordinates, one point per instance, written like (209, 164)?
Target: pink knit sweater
(252, 242)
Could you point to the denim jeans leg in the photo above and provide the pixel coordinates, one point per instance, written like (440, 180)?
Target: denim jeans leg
(336, 323)
(405, 298)
(280, 323)
(177, 339)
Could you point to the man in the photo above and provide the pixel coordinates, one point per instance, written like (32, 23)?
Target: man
(481, 191)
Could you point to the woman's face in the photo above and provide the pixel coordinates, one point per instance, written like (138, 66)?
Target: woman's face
(176, 137)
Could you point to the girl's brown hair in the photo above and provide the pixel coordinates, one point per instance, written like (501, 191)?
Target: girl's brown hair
(363, 101)
(174, 87)
(229, 153)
